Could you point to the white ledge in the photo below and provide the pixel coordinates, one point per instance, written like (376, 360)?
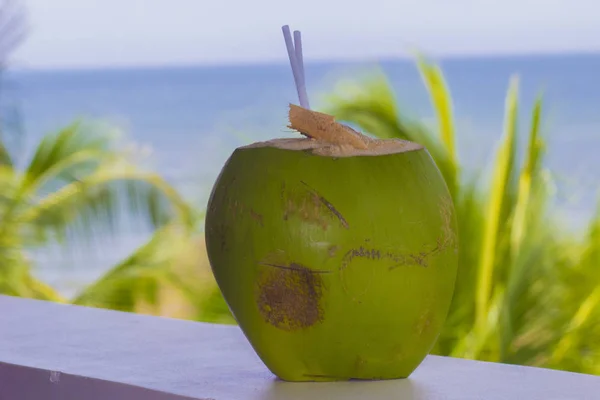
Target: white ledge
(50, 352)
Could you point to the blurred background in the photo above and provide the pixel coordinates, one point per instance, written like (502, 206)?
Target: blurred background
(116, 118)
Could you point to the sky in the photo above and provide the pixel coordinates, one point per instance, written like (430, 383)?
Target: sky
(125, 33)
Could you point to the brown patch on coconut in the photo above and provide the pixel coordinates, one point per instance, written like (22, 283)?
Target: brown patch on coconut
(289, 296)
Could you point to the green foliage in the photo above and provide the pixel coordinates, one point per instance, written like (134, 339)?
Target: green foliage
(139, 278)
(78, 183)
(526, 292)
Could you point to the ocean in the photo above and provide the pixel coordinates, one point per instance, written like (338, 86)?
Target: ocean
(191, 118)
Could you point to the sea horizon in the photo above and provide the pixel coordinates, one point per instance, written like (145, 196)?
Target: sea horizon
(278, 61)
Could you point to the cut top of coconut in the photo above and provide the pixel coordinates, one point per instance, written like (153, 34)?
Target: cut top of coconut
(374, 147)
(326, 137)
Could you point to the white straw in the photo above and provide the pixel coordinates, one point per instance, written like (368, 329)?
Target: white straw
(300, 87)
(300, 67)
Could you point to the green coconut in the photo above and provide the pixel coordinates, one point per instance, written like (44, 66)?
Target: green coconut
(336, 253)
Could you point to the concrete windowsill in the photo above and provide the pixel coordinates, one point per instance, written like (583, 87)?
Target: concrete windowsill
(50, 352)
